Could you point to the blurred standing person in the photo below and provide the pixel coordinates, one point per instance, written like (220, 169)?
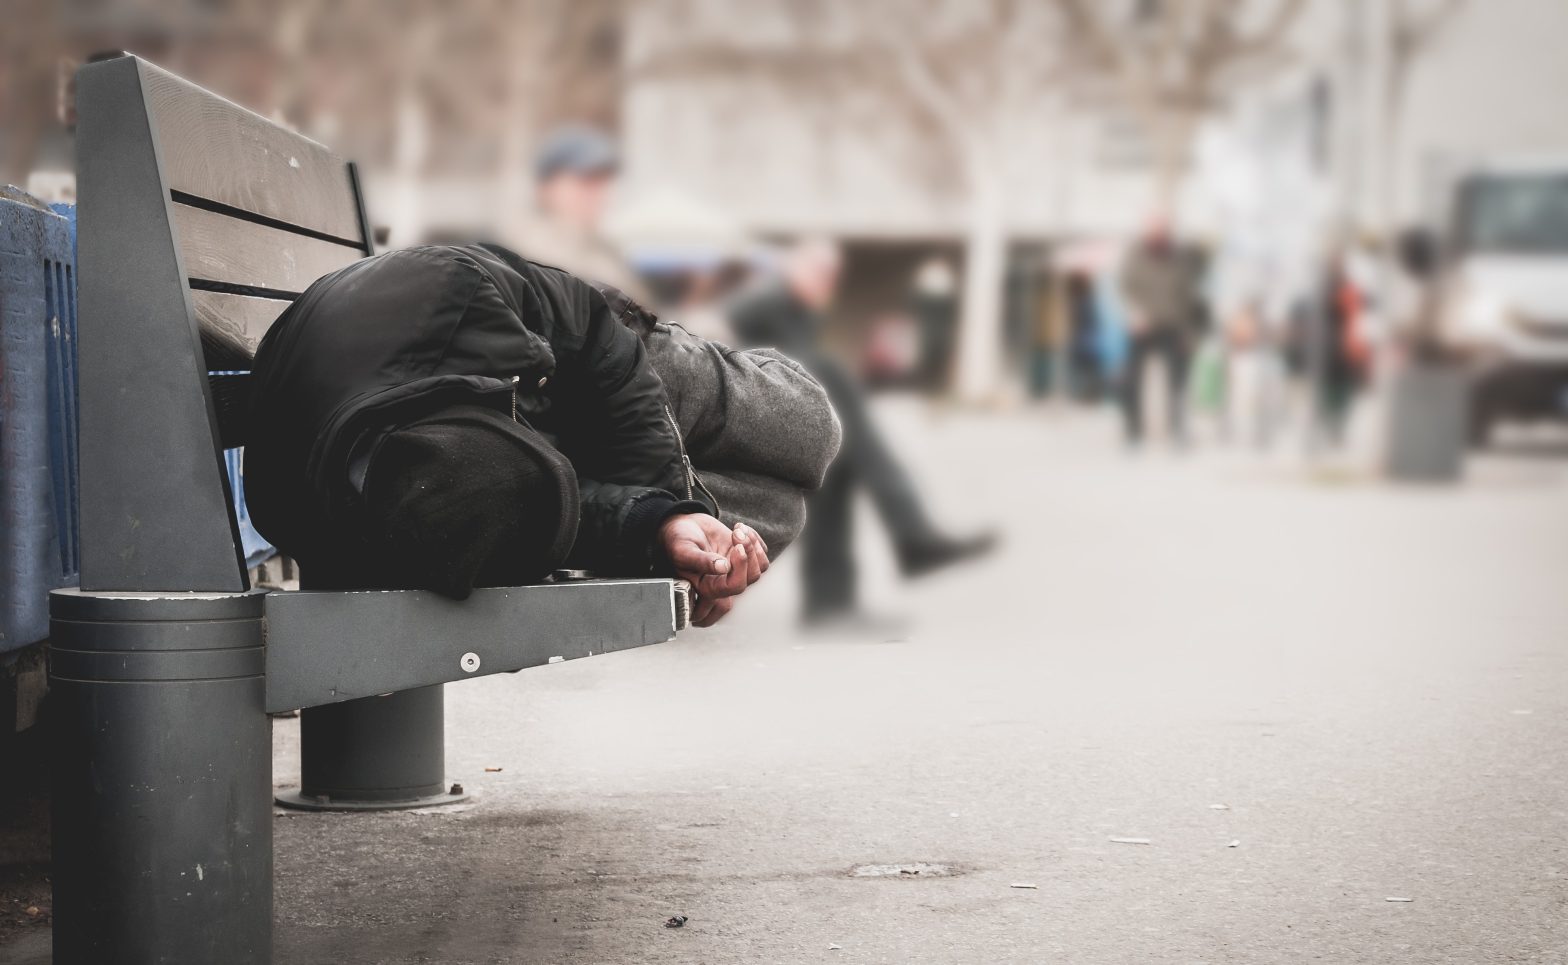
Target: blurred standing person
(1251, 376)
(1048, 319)
(574, 174)
(1083, 337)
(1343, 351)
(934, 303)
(1160, 286)
(787, 314)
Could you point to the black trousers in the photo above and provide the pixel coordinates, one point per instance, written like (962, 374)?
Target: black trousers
(865, 460)
(1164, 343)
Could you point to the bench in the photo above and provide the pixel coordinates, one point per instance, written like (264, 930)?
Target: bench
(198, 222)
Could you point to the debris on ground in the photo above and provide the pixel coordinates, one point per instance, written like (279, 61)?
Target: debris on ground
(1024, 884)
(1130, 841)
(675, 921)
(1399, 899)
(1234, 844)
(914, 869)
(492, 769)
(832, 946)
(1219, 807)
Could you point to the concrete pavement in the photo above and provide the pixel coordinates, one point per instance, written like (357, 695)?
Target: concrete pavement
(1363, 688)
(1370, 680)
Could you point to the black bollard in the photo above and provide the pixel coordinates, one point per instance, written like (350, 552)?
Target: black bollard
(374, 754)
(162, 780)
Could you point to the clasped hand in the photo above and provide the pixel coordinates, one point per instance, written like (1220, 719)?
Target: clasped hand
(718, 561)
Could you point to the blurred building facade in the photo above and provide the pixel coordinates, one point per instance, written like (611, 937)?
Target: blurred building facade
(1354, 121)
(986, 134)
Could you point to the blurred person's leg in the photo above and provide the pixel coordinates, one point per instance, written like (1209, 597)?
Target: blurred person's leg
(1173, 348)
(1085, 378)
(1132, 386)
(1334, 403)
(827, 546)
(921, 546)
(1039, 372)
(866, 450)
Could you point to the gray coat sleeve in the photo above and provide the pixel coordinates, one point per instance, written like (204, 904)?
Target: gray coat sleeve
(759, 429)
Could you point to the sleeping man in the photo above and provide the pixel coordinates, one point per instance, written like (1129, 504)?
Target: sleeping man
(451, 417)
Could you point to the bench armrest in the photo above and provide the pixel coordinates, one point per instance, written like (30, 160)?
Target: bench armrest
(324, 647)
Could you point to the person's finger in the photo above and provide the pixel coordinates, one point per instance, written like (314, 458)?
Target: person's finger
(756, 552)
(756, 562)
(691, 557)
(732, 580)
(740, 568)
(752, 536)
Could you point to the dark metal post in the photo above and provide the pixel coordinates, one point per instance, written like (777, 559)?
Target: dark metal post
(163, 767)
(373, 754)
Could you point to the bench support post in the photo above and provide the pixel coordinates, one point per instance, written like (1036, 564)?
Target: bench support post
(163, 768)
(374, 754)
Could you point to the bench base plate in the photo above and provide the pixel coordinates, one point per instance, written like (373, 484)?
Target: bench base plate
(300, 801)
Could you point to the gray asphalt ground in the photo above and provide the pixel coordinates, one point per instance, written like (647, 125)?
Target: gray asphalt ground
(1309, 692)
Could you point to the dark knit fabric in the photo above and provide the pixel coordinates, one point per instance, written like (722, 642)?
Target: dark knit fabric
(469, 498)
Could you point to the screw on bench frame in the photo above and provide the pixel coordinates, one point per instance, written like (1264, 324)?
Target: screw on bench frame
(164, 663)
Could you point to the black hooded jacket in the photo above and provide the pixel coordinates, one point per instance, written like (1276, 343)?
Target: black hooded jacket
(399, 336)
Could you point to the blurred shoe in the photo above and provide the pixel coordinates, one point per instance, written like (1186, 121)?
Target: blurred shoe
(934, 553)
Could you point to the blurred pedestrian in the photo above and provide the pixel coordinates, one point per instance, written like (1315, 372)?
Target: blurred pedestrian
(1085, 366)
(1160, 283)
(1343, 350)
(1048, 325)
(574, 175)
(1253, 376)
(788, 314)
(934, 303)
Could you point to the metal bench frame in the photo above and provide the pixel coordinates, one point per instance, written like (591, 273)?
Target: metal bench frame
(165, 662)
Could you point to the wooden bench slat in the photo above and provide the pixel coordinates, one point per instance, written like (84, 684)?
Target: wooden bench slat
(239, 315)
(215, 149)
(223, 249)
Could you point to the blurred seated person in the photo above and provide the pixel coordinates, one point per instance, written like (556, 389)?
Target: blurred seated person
(787, 313)
(448, 417)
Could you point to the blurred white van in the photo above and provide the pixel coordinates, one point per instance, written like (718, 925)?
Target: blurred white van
(1505, 302)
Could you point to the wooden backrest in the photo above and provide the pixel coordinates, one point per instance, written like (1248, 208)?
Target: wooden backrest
(199, 221)
(259, 212)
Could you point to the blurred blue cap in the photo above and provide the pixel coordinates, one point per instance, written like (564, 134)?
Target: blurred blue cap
(576, 148)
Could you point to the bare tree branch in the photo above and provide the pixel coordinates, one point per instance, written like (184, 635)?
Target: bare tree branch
(1412, 31)
(1270, 37)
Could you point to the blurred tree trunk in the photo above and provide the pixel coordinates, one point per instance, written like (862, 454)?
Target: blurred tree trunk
(1408, 32)
(411, 137)
(30, 51)
(516, 148)
(980, 321)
